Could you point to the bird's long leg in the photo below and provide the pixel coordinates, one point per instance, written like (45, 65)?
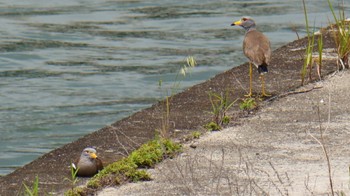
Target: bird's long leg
(250, 80)
(263, 93)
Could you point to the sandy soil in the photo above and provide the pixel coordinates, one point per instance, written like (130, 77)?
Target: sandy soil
(275, 152)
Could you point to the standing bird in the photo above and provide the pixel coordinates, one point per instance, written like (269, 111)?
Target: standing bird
(87, 164)
(256, 46)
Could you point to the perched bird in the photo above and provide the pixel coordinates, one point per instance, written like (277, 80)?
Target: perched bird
(256, 47)
(87, 164)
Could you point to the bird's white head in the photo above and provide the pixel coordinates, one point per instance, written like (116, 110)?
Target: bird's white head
(89, 153)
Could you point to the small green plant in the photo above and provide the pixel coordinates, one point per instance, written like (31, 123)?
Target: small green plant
(220, 104)
(248, 104)
(341, 34)
(225, 120)
(308, 60)
(196, 134)
(34, 189)
(77, 191)
(73, 180)
(212, 126)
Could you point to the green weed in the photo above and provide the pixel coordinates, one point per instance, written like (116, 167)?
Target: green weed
(34, 189)
(308, 60)
(77, 191)
(341, 34)
(225, 120)
(248, 104)
(212, 126)
(196, 134)
(73, 181)
(220, 104)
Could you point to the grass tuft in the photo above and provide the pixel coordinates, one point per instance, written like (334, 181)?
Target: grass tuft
(341, 35)
(248, 104)
(196, 134)
(220, 104)
(73, 179)
(212, 126)
(34, 189)
(308, 60)
(77, 191)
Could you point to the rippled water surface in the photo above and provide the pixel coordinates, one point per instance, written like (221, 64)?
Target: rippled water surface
(70, 67)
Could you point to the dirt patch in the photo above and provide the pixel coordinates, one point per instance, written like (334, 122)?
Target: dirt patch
(189, 112)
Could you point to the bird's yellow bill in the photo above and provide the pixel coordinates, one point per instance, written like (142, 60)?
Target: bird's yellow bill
(237, 23)
(93, 155)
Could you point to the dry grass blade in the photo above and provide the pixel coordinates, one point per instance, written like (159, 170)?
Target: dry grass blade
(322, 142)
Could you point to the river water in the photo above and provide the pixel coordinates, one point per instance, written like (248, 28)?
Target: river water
(70, 67)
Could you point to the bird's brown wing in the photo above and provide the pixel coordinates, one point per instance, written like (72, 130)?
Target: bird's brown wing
(256, 46)
(99, 164)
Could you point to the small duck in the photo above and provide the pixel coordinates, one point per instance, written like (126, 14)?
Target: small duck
(88, 164)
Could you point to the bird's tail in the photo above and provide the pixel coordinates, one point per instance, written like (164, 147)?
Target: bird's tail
(262, 69)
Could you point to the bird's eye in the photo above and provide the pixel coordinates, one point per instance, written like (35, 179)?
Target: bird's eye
(244, 19)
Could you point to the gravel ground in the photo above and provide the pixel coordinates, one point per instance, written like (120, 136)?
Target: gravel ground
(275, 152)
